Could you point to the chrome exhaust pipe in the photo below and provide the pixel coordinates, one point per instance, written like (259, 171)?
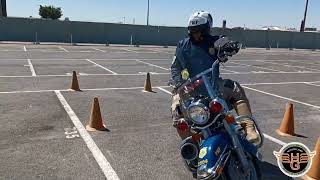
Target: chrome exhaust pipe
(189, 150)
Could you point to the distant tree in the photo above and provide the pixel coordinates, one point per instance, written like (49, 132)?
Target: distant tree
(50, 12)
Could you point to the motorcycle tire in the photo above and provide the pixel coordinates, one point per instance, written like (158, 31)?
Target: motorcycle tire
(232, 172)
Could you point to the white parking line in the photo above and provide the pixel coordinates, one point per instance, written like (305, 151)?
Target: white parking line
(282, 97)
(158, 51)
(280, 72)
(311, 83)
(106, 89)
(84, 74)
(277, 83)
(156, 73)
(31, 68)
(105, 166)
(101, 66)
(252, 60)
(132, 59)
(229, 70)
(161, 87)
(152, 65)
(154, 50)
(236, 66)
(24, 49)
(81, 51)
(287, 65)
(296, 61)
(63, 49)
(98, 49)
(129, 50)
(67, 90)
(72, 59)
(275, 140)
(36, 91)
(256, 66)
(164, 90)
(140, 74)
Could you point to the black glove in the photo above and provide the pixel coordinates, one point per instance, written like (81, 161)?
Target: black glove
(232, 48)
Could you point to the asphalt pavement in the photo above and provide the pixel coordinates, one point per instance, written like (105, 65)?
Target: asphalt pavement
(42, 135)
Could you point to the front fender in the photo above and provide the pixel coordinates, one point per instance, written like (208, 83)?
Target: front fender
(215, 151)
(211, 150)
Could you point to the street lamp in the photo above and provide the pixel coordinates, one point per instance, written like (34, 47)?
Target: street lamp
(148, 14)
(303, 23)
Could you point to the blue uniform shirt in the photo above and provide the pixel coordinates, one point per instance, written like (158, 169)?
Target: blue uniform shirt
(193, 56)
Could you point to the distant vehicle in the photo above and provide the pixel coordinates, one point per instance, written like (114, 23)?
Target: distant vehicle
(310, 29)
(272, 28)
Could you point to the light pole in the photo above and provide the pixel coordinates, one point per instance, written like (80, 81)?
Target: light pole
(303, 23)
(3, 8)
(148, 14)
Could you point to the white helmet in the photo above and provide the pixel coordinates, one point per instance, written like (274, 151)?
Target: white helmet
(200, 21)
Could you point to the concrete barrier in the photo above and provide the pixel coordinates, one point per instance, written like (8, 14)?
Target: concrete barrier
(32, 30)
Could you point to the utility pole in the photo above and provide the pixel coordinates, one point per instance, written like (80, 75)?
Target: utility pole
(3, 8)
(303, 23)
(148, 14)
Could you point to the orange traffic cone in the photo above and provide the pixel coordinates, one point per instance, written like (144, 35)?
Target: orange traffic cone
(147, 84)
(287, 124)
(314, 172)
(95, 122)
(75, 83)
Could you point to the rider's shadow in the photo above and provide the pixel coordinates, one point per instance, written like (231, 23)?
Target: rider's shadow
(270, 171)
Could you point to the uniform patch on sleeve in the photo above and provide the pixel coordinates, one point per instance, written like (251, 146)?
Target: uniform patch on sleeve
(185, 74)
(212, 51)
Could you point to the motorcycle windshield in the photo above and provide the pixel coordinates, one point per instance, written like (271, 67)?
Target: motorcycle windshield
(200, 64)
(199, 88)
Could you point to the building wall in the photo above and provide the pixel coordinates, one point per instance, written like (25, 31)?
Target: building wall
(26, 29)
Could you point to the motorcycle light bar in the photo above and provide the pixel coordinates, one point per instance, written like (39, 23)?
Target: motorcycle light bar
(216, 107)
(197, 83)
(196, 137)
(182, 126)
(230, 119)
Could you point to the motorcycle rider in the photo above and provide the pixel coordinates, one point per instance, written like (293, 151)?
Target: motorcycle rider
(196, 54)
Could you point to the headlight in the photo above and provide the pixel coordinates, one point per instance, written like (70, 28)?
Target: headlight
(199, 113)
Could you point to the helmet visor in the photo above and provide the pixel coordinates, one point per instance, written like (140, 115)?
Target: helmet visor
(200, 28)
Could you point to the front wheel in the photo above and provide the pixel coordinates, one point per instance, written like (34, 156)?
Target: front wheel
(232, 170)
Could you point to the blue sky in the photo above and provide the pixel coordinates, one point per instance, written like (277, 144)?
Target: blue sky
(251, 13)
